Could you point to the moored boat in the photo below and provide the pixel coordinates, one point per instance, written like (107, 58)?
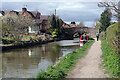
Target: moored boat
(84, 39)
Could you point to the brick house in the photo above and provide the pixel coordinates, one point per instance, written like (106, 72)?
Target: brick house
(65, 25)
(45, 24)
(41, 20)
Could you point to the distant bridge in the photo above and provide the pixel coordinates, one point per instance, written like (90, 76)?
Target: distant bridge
(91, 31)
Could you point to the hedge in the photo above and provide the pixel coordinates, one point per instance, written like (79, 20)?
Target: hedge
(111, 60)
(112, 35)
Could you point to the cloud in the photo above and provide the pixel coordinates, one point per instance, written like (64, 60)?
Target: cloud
(70, 11)
(51, 0)
(69, 6)
(83, 12)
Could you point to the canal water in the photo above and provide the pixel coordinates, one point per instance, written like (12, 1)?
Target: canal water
(28, 62)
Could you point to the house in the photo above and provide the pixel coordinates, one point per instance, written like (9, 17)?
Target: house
(40, 20)
(65, 25)
(73, 25)
(45, 24)
(1, 13)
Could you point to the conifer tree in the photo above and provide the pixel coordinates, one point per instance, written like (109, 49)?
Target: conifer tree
(105, 19)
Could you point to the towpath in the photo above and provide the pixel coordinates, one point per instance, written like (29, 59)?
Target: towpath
(88, 66)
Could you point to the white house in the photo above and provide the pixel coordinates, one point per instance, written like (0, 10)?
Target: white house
(1, 14)
(34, 29)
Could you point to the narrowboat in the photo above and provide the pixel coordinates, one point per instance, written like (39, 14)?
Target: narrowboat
(83, 39)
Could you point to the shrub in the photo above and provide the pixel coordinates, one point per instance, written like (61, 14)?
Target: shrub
(7, 41)
(103, 35)
(111, 59)
(112, 36)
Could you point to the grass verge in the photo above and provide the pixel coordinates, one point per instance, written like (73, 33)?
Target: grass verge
(111, 60)
(67, 63)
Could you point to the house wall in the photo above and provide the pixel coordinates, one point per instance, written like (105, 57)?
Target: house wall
(44, 25)
(1, 14)
(33, 29)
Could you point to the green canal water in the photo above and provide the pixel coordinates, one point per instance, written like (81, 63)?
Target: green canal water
(28, 62)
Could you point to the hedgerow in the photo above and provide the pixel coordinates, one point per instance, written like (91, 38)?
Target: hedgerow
(111, 60)
(113, 36)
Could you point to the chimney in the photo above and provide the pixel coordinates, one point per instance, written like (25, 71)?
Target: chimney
(24, 9)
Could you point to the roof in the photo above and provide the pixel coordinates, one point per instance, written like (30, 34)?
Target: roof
(65, 25)
(34, 12)
(31, 14)
(38, 20)
(14, 12)
(44, 17)
(7, 12)
(73, 25)
(4, 12)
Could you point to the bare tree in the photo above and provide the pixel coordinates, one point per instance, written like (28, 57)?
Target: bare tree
(114, 6)
(95, 23)
(9, 24)
(16, 25)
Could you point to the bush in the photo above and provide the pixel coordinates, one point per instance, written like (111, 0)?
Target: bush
(25, 42)
(18, 43)
(54, 34)
(7, 41)
(103, 35)
(112, 36)
(111, 59)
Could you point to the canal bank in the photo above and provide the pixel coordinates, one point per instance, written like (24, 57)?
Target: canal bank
(28, 62)
(27, 44)
(66, 64)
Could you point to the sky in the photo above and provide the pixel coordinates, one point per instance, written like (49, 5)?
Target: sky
(78, 11)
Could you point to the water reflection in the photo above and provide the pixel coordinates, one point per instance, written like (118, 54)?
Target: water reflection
(28, 62)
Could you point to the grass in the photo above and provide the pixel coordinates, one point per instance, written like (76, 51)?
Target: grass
(111, 60)
(7, 41)
(66, 64)
(26, 36)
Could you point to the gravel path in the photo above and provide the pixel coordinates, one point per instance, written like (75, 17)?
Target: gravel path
(88, 66)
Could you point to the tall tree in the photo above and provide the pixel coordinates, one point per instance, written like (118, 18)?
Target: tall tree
(53, 21)
(115, 7)
(105, 19)
(59, 23)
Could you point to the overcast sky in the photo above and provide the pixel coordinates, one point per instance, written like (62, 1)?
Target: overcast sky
(85, 12)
